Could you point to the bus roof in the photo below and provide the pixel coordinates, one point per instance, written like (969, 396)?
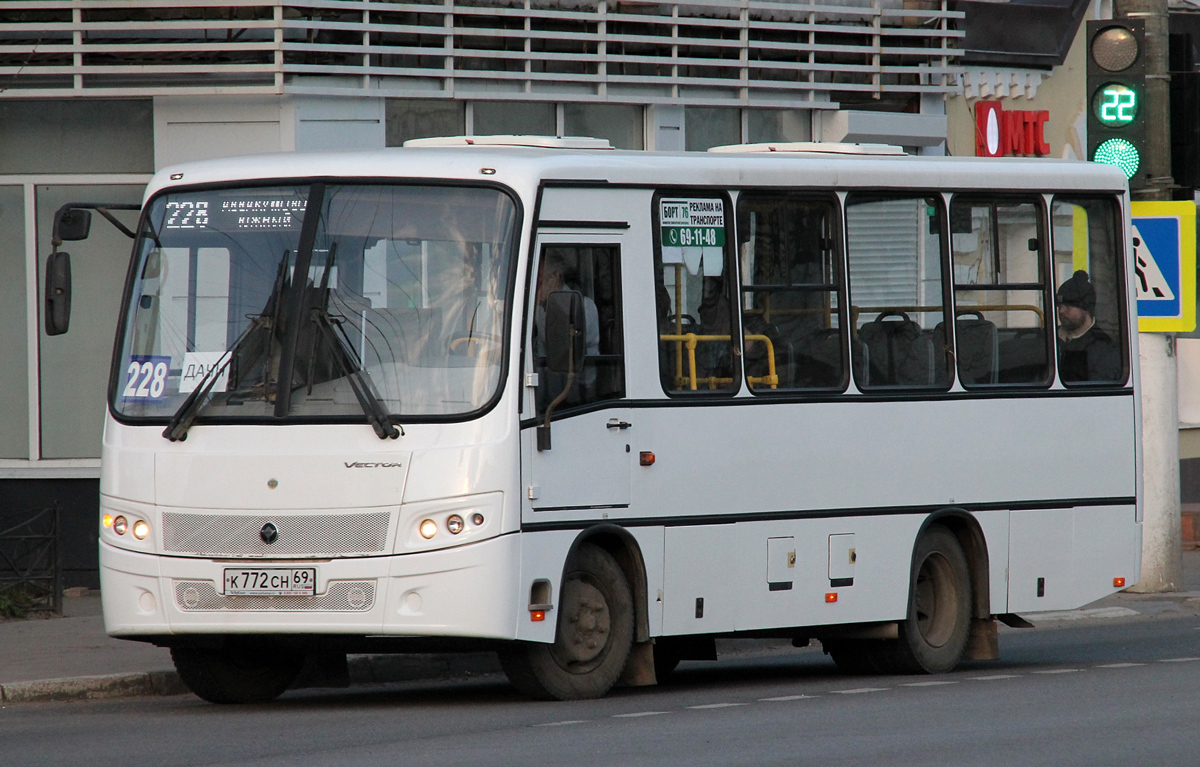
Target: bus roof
(524, 168)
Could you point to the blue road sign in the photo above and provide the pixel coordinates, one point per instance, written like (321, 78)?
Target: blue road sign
(1164, 251)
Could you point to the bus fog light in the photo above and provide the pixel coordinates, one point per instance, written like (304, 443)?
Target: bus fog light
(120, 525)
(428, 529)
(140, 530)
(477, 519)
(455, 524)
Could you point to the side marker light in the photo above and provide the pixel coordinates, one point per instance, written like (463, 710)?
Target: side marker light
(1118, 583)
(537, 615)
(646, 458)
(831, 597)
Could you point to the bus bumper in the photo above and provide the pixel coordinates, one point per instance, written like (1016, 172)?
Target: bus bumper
(466, 591)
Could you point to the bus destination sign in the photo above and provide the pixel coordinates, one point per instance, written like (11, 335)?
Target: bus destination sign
(692, 223)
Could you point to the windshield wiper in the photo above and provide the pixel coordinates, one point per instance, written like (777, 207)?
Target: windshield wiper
(179, 424)
(347, 361)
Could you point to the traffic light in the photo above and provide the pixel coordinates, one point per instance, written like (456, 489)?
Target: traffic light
(1116, 80)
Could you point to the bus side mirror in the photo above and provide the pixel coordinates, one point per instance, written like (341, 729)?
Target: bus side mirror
(73, 224)
(566, 336)
(58, 293)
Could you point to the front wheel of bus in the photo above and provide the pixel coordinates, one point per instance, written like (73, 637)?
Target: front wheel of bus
(934, 635)
(594, 635)
(243, 673)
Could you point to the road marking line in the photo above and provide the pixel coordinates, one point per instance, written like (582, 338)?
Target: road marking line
(720, 705)
(858, 690)
(1120, 665)
(927, 684)
(789, 697)
(994, 676)
(639, 713)
(1178, 660)
(1057, 671)
(560, 724)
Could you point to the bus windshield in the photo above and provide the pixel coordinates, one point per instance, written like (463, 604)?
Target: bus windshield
(317, 301)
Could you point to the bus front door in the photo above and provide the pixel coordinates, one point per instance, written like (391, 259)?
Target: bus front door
(587, 463)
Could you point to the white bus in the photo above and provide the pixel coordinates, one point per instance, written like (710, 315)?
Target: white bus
(594, 408)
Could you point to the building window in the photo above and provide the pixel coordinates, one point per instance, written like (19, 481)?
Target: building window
(103, 136)
(621, 124)
(513, 118)
(423, 118)
(778, 125)
(706, 127)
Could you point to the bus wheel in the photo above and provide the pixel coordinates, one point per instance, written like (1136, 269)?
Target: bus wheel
(934, 635)
(242, 673)
(595, 632)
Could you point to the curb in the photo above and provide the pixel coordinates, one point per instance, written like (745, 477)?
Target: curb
(363, 670)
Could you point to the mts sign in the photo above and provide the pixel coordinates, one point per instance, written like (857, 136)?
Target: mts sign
(999, 133)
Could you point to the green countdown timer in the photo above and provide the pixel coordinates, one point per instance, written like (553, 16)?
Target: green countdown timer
(1115, 105)
(1119, 152)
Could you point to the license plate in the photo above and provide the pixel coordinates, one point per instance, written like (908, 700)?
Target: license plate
(271, 582)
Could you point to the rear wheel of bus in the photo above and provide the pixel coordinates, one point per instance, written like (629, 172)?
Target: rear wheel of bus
(934, 635)
(593, 638)
(241, 672)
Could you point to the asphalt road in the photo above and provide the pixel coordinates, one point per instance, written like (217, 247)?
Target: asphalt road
(1099, 692)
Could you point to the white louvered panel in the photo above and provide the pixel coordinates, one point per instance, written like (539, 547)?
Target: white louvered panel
(882, 243)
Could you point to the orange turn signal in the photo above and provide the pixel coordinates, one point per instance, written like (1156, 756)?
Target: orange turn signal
(537, 615)
(1118, 583)
(108, 520)
(831, 597)
(646, 458)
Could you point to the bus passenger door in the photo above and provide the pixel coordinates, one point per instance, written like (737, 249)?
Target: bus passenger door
(588, 461)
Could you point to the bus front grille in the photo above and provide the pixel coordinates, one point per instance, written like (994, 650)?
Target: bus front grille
(343, 596)
(233, 535)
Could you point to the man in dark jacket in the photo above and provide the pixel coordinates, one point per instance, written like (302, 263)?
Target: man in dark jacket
(1085, 352)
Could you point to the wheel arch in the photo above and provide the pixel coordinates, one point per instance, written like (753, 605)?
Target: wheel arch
(624, 548)
(966, 529)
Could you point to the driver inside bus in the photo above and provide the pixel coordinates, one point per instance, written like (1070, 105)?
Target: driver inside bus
(1085, 351)
(554, 275)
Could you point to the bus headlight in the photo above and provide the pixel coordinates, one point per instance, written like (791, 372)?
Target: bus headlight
(428, 529)
(455, 524)
(120, 525)
(140, 530)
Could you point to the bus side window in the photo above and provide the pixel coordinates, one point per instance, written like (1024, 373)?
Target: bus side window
(593, 271)
(787, 245)
(1091, 334)
(694, 297)
(894, 248)
(999, 289)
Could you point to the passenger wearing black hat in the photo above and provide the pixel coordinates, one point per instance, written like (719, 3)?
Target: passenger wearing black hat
(1085, 352)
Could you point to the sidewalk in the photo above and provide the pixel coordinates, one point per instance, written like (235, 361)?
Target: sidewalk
(71, 657)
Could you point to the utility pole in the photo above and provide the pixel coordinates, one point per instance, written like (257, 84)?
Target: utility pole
(1161, 535)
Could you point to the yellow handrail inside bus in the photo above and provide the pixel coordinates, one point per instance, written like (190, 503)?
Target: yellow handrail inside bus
(691, 340)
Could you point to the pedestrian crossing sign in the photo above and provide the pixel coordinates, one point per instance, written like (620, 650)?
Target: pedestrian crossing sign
(1164, 254)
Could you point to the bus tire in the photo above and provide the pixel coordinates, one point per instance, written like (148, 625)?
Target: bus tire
(245, 673)
(593, 639)
(934, 634)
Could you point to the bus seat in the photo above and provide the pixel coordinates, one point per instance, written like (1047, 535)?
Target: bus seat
(814, 360)
(900, 354)
(1022, 357)
(978, 349)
